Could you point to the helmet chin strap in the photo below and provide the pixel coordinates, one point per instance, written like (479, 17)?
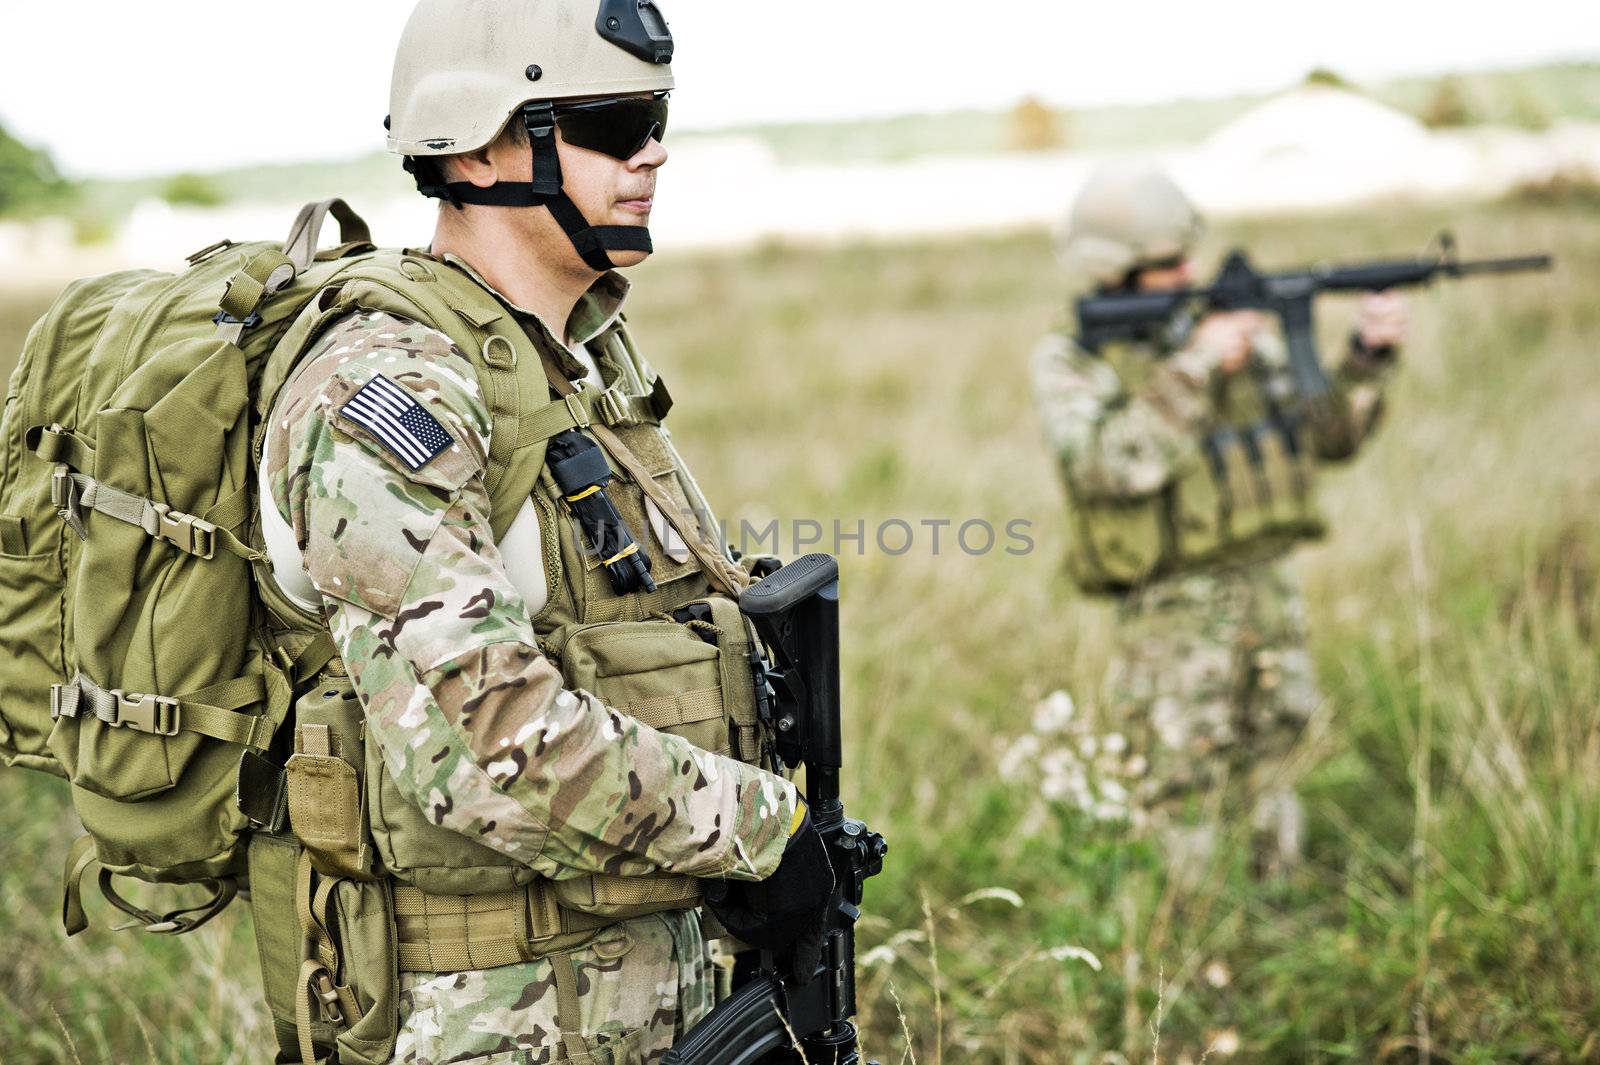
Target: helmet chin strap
(545, 190)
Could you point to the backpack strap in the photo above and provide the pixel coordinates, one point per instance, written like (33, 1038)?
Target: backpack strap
(581, 409)
(82, 854)
(268, 272)
(211, 711)
(72, 490)
(418, 287)
(508, 364)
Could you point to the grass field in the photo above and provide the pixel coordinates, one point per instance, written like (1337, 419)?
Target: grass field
(1449, 909)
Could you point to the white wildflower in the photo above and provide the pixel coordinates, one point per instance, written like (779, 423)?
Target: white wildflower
(1054, 713)
(1020, 755)
(1224, 1043)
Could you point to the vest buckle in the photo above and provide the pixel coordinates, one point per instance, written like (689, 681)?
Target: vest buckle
(614, 409)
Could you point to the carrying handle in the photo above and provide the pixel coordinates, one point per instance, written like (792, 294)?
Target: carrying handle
(306, 233)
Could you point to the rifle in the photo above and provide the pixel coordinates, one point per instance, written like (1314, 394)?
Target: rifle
(1289, 295)
(796, 613)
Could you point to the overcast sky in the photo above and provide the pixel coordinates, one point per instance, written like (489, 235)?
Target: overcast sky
(115, 88)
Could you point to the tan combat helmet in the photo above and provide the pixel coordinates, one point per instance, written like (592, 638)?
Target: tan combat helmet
(1127, 216)
(464, 70)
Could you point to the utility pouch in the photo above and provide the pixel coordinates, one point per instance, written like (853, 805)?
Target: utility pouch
(165, 687)
(738, 657)
(154, 501)
(327, 802)
(691, 678)
(329, 965)
(1118, 543)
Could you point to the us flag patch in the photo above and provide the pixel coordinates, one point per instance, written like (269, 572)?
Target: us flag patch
(398, 421)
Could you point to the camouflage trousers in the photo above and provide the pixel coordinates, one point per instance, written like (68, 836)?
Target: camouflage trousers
(639, 986)
(1216, 684)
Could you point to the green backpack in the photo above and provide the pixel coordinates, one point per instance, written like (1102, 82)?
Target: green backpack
(136, 658)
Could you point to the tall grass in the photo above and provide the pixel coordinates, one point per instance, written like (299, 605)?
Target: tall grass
(1448, 910)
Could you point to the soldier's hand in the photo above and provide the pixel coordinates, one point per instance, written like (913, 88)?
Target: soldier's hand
(1229, 337)
(785, 910)
(1382, 320)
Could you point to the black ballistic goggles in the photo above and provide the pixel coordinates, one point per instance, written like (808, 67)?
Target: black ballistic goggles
(617, 127)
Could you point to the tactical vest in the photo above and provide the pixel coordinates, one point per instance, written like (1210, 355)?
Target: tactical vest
(1246, 494)
(678, 659)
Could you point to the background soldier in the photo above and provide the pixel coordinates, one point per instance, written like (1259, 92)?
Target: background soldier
(503, 796)
(1187, 494)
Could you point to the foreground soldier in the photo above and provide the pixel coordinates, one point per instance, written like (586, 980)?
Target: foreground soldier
(1187, 496)
(540, 837)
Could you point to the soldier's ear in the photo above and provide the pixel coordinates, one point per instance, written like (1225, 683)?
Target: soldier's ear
(477, 167)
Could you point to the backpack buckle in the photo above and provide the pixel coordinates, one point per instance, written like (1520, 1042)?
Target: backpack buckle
(327, 995)
(65, 496)
(185, 531)
(224, 318)
(155, 714)
(614, 410)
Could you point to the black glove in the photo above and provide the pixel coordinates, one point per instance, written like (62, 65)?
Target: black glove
(784, 910)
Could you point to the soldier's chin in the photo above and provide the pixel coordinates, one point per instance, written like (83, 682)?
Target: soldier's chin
(624, 259)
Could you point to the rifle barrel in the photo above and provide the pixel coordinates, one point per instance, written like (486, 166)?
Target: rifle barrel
(1504, 266)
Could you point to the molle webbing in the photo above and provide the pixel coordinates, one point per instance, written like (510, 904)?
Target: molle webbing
(453, 933)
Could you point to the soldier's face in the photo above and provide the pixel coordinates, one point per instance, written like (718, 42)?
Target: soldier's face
(1166, 278)
(614, 192)
(609, 192)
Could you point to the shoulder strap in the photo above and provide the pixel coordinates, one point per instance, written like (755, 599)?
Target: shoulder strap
(722, 573)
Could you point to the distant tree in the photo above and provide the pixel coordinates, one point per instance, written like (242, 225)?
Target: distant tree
(1567, 188)
(1036, 126)
(1328, 78)
(28, 177)
(1448, 106)
(192, 190)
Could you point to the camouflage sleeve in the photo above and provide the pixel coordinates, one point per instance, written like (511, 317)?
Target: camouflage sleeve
(1361, 379)
(473, 722)
(1355, 406)
(1118, 439)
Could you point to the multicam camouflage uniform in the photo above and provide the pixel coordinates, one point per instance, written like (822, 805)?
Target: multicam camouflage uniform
(1211, 671)
(472, 720)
